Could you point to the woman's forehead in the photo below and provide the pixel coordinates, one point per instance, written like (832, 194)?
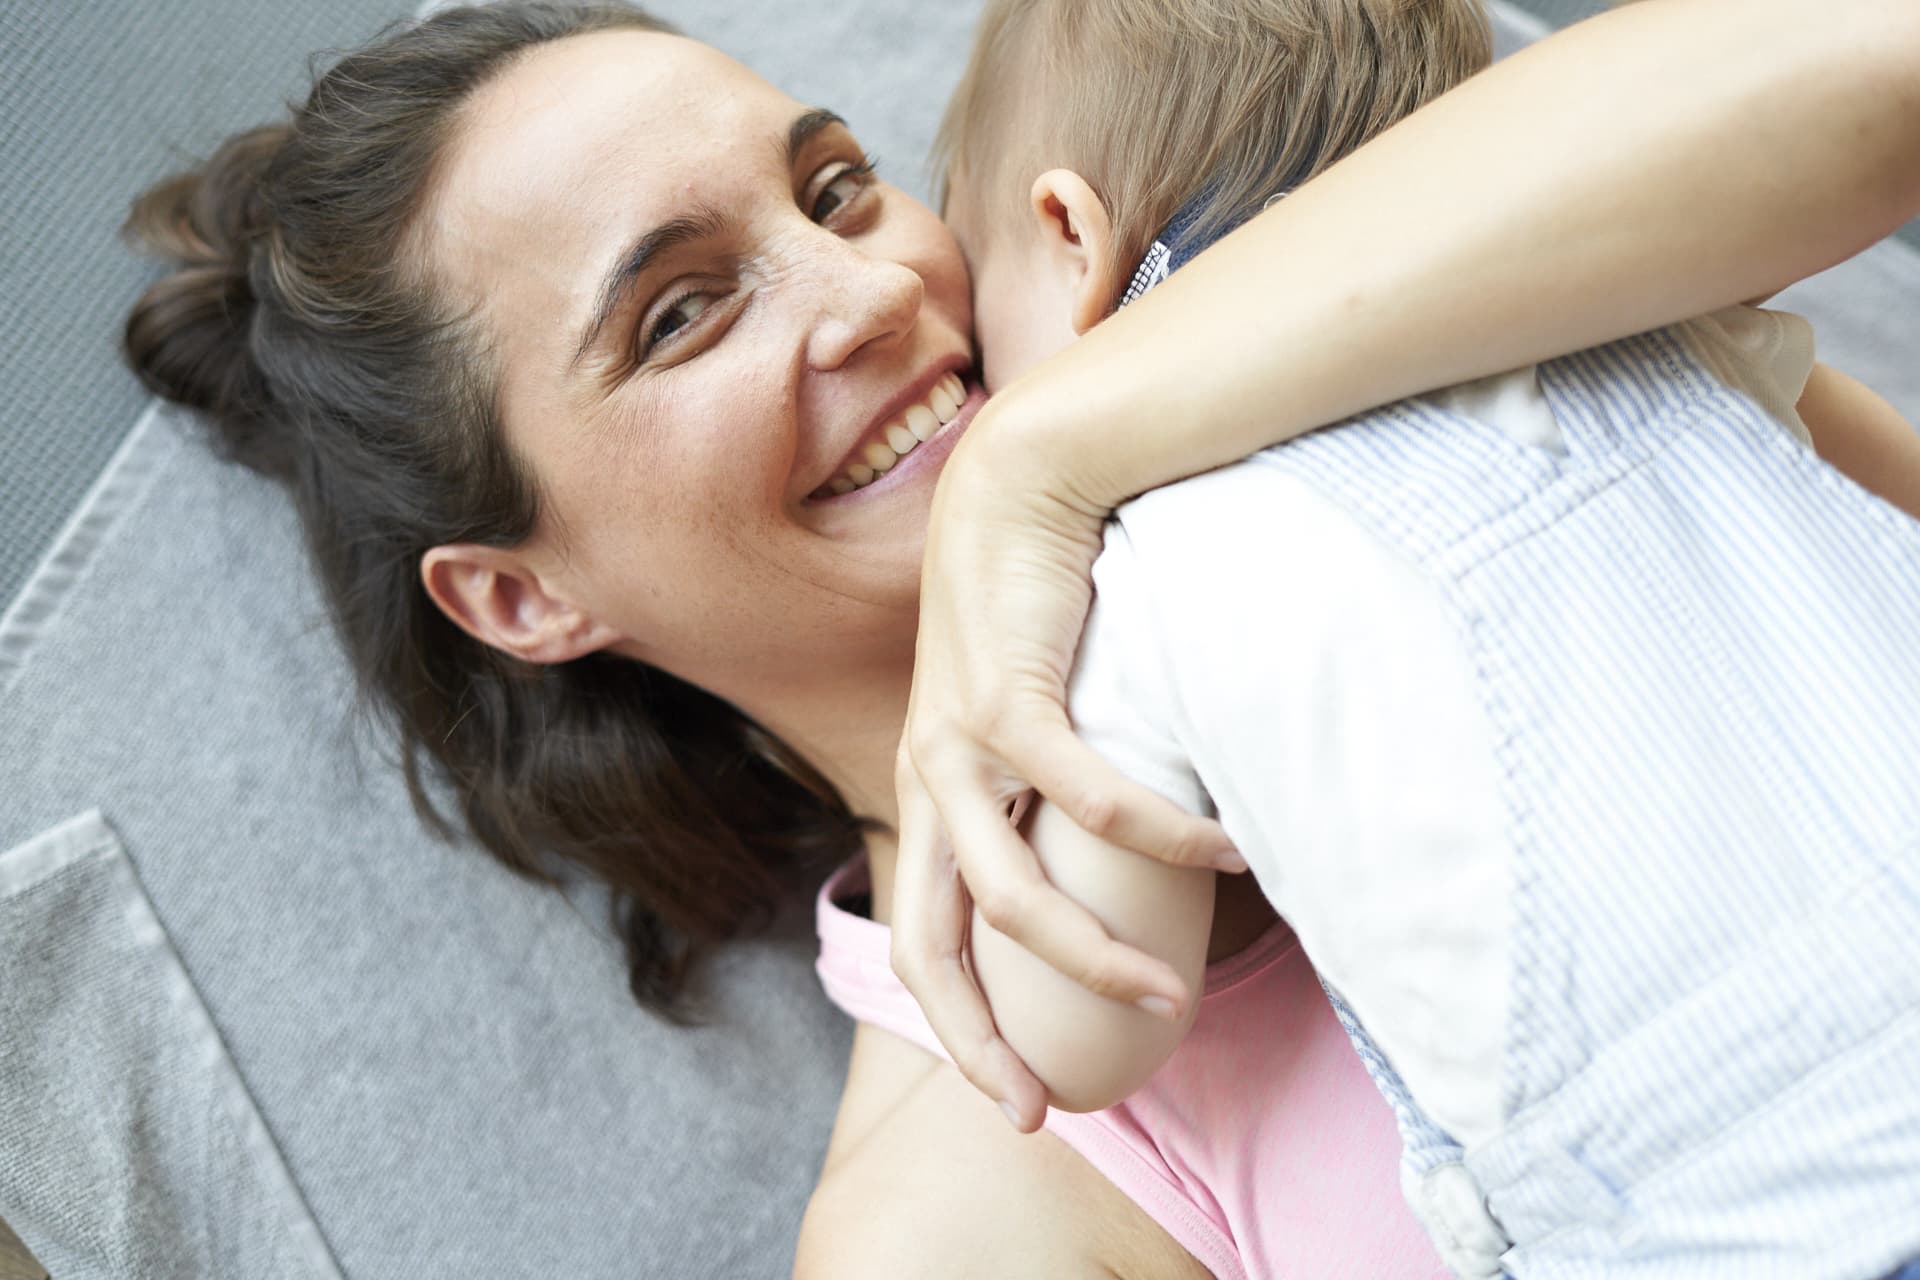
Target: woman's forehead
(566, 151)
(637, 90)
(580, 112)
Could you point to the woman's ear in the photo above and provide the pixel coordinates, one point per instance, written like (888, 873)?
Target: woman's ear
(1077, 235)
(493, 595)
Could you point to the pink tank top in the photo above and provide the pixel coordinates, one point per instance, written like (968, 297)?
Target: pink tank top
(1261, 1146)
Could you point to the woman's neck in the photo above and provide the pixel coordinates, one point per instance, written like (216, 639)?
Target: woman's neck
(849, 732)
(846, 722)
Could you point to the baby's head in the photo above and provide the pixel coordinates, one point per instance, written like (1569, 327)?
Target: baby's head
(1082, 127)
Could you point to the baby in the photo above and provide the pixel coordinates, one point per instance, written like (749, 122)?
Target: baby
(1570, 718)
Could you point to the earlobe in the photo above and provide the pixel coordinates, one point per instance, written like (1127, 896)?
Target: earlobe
(494, 596)
(1077, 231)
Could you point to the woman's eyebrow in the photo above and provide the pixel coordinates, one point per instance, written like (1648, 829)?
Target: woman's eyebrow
(805, 125)
(703, 222)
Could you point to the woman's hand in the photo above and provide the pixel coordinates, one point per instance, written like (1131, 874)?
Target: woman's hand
(1004, 594)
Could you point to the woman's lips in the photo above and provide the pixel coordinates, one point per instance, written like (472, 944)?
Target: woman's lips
(924, 455)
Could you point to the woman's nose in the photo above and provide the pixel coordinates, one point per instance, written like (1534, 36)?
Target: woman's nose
(863, 300)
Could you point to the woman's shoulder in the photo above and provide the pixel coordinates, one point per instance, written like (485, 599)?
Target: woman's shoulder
(924, 1179)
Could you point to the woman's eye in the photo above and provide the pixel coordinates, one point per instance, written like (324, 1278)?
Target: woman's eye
(683, 312)
(843, 190)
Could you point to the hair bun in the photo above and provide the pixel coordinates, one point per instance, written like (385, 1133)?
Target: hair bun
(187, 338)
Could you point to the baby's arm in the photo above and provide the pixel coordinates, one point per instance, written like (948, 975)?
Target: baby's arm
(1863, 436)
(1090, 1051)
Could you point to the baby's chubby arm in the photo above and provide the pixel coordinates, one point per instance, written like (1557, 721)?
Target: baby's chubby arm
(1088, 1050)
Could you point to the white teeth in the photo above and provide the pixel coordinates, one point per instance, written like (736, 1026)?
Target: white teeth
(922, 422)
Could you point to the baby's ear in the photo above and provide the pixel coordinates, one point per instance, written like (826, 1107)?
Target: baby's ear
(1077, 235)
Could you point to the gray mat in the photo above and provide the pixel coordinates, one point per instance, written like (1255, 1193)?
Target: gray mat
(119, 1033)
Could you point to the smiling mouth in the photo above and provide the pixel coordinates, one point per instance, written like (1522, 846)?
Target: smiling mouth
(900, 437)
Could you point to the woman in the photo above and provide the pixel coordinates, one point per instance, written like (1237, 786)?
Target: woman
(558, 423)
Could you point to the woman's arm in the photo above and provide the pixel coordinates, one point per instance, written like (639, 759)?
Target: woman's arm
(921, 1183)
(1651, 164)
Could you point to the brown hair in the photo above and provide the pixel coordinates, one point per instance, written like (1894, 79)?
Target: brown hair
(301, 323)
(1155, 101)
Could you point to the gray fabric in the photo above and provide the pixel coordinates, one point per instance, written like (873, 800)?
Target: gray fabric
(89, 987)
(443, 1057)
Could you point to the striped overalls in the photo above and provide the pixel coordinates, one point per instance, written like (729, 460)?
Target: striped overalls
(1699, 649)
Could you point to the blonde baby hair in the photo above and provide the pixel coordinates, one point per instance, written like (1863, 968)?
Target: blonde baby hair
(1154, 101)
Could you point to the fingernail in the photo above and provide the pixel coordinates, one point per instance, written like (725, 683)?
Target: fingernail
(1013, 1117)
(1158, 1006)
(1230, 862)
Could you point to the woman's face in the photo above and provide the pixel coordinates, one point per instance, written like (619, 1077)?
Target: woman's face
(704, 311)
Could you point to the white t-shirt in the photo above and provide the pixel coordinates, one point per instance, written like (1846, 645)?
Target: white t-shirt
(1247, 632)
